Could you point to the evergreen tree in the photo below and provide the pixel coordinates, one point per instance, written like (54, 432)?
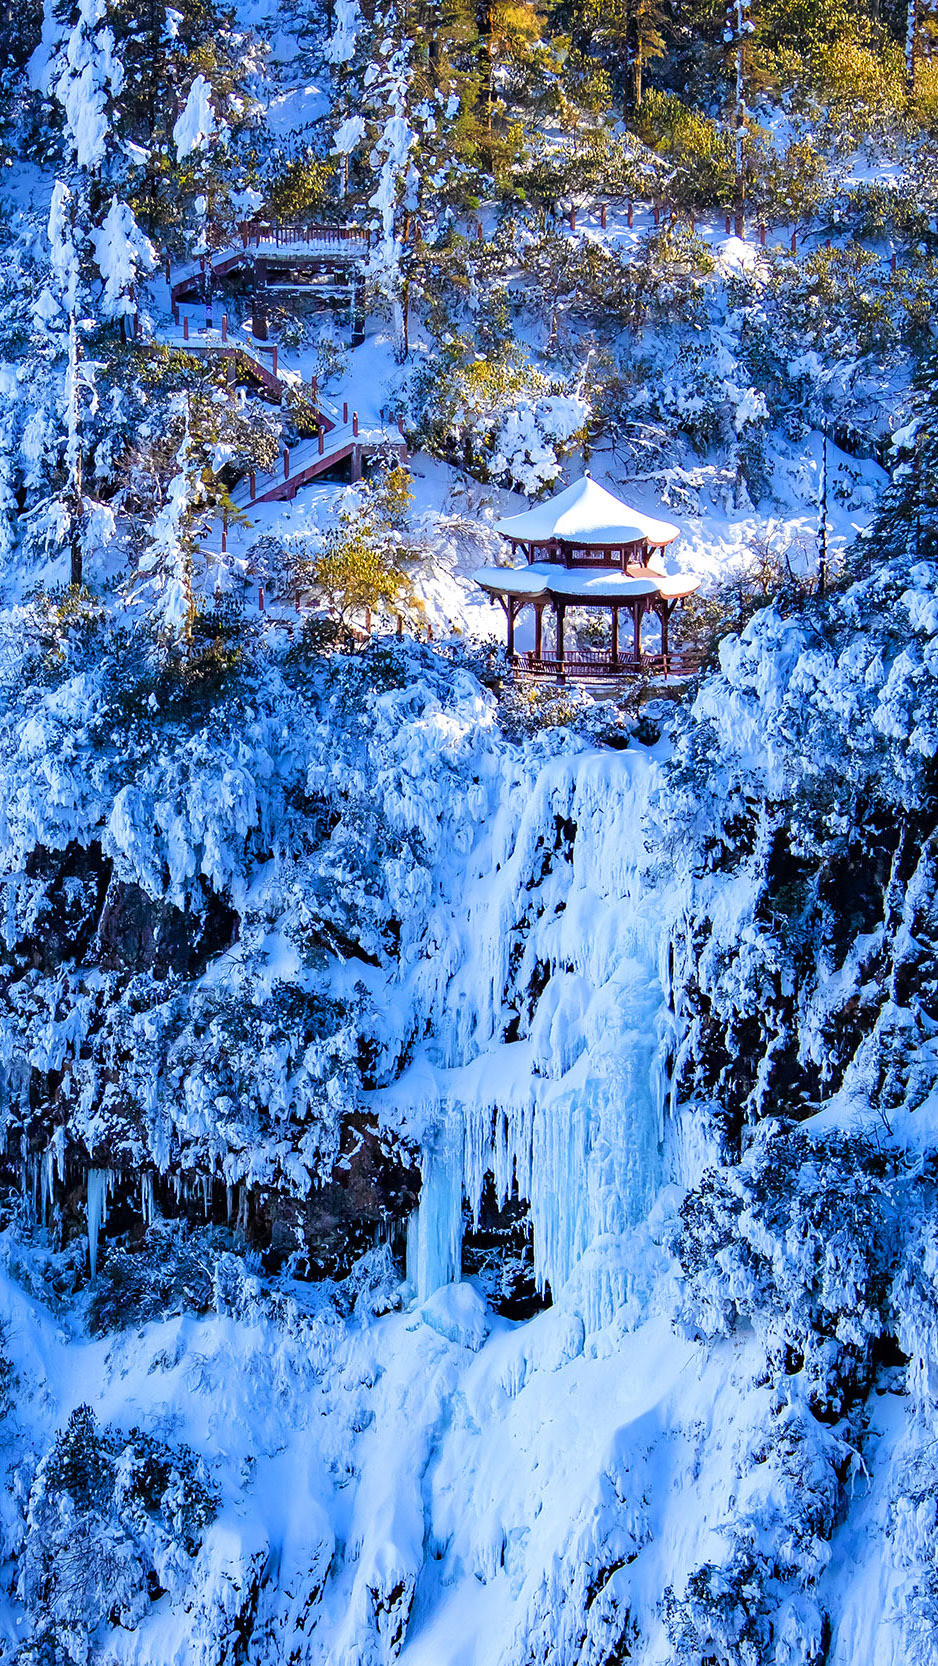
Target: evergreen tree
(907, 524)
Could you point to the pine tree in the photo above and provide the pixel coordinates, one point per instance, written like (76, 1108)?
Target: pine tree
(165, 570)
(907, 524)
(400, 98)
(630, 33)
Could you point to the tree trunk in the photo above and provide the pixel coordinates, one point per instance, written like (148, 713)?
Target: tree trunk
(911, 31)
(73, 454)
(633, 62)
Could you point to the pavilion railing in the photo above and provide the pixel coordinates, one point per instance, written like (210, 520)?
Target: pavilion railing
(585, 666)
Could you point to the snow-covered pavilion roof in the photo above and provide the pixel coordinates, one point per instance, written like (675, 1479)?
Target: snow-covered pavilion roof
(588, 585)
(585, 513)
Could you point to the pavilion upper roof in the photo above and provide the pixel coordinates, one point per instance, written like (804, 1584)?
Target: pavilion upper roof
(585, 513)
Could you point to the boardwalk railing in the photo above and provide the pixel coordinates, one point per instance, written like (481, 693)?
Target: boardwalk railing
(585, 666)
(286, 235)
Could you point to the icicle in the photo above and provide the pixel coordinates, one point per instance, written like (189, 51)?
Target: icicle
(434, 1232)
(147, 1199)
(100, 1186)
(58, 1146)
(48, 1183)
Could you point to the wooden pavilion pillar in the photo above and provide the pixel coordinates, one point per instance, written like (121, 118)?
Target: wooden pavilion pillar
(259, 304)
(615, 636)
(638, 608)
(560, 610)
(664, 615)
(538, 629)
(512, 605)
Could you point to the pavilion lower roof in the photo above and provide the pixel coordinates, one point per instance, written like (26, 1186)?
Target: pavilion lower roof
(545, 581)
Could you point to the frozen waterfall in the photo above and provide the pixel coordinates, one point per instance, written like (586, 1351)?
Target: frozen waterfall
(562, 934)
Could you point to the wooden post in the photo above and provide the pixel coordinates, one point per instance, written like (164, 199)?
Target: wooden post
(664, 633)
(286, 462)
(345, 410)
(538, 626)
(224, 534)
(260, 598)
(762, 234)
(615, 636)
(630, 215)
(201, 263)
(400, 624)
(368, 621)
(224, 326)
(637, 630)
(559, 606)
(356, 468)
(511, 628)
(355, 423)
(602, 216)
(726, 224)
(322, 439)
(893, 261)
(252, 484)
(275, 358)
(185, 328)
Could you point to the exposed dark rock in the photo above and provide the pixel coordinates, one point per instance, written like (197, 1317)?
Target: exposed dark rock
(72, 885)
(138, 933)
(499, 1255)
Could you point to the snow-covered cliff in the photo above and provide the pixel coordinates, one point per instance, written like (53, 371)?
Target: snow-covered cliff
(624, 1054)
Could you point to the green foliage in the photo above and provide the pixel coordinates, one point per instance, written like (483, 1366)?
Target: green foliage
(301, 190)
(363, 562)
(876, 210)
(699, 149)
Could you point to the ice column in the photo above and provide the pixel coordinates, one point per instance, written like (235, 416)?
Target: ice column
(100, 1186)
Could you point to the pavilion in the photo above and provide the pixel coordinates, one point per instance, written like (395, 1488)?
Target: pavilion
(585, 548)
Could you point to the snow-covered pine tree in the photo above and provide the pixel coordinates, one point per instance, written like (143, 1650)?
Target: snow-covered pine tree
(165, 570)
(400, 94)
(907, 523)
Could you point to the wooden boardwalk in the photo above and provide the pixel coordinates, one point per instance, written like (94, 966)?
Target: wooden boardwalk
(303, 463)
(265, 365)
(328, 248)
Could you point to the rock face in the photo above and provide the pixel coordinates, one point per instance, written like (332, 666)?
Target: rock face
(84, 920)
(136, 933)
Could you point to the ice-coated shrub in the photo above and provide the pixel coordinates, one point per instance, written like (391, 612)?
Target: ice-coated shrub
(111, 1522)
(503, 416)
(800, 1240)
(169, 1271)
